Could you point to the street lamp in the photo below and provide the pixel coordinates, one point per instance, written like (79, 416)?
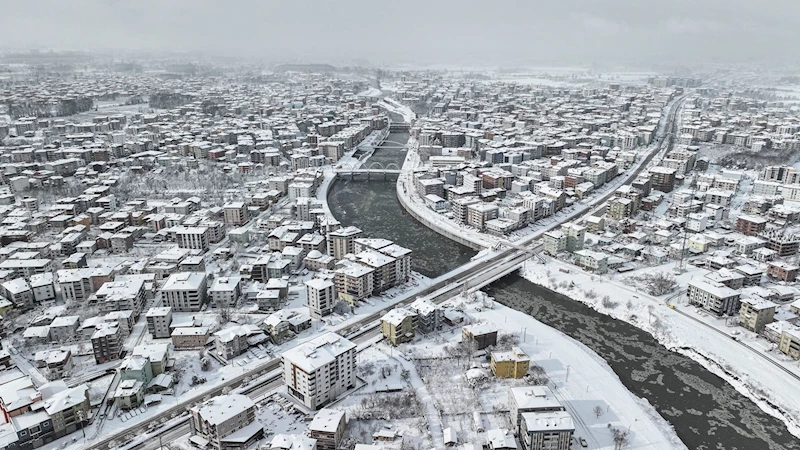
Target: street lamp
(81, 419)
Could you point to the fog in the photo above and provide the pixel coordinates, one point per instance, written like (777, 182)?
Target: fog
(466, 32)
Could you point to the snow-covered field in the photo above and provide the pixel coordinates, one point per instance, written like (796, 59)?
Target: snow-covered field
(435, 392)
(681, 327)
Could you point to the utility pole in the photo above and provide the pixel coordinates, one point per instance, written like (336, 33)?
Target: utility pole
(566, 378)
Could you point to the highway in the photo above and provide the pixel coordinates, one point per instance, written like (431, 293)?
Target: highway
(472, 275)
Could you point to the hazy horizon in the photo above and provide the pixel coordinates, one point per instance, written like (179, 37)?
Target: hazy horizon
(571, 32)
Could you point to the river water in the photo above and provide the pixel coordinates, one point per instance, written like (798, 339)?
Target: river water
(707, 412)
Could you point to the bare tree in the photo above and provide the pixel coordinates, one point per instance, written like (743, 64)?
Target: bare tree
(620, 438)
(342, 308)
(607, 303)
(597, 411)
(655, 283)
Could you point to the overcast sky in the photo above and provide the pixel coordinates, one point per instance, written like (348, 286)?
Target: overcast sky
(459, 32)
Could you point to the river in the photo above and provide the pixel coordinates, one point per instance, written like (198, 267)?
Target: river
(706, 411)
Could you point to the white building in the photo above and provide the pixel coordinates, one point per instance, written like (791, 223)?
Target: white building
(226, 291)
(194, 238)
(158, 322)
(225, 422)
(551, 430)
(185, 291)
(321, 297)
(320, 370)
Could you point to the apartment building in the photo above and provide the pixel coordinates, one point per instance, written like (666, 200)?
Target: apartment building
(354, 282)
(789, 342)
(193, 238)
(236, 213)
(460, 209)
(233, 341)
(384, 269)
(782, 271)
(158, 322)
(551, 430)
(531, 399)
(41, 416)
(63, 328)
(402, 264)
(189, 338)
(480, 213)
(555, 242)
(327, 428)
(428, 315)
(756, 313)
(662, 178)
(482, 334)
(750, 225)
(510, 364)
(185, 291)
(121, 295)
(340, 242)
(321, 297)
(107, 341)
(226, 291)
(620, 208)
(576, 235)
(320, 370)
(713, 297)
(225, 422)
(596, 262)
(397, 325)
(75, 284)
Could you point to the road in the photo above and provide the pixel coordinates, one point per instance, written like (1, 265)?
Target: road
(472, 275)
(733, 339)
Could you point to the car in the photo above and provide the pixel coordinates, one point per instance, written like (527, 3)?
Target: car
(583, 442)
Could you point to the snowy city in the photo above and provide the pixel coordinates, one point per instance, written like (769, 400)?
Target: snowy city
(206, 252)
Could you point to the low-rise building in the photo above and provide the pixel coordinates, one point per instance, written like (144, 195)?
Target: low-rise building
(782, 271)
(550, 430)
(713, 297)
(225, 422)
(755, 313)
(790, 342)
(188, 338)
(398, 325)
(510, 364)
(483, 334)
(327, 428)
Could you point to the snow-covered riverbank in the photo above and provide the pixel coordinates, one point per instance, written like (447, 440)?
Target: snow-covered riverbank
(681, 329)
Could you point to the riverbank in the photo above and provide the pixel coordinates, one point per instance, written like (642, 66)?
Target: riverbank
(774, 390)
(580, 379)
(415, 205)
(375, 139)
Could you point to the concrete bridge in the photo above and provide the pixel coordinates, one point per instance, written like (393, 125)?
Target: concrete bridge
(399, 127)
(377, 169)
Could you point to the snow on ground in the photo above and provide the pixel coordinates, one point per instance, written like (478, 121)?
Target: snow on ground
(444, 397)
(398, 108)
(371, 92)
(688, 330)
(581, 380)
